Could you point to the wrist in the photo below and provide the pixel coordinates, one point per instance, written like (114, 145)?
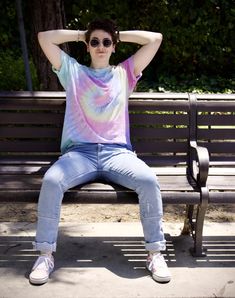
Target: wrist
(80, 35)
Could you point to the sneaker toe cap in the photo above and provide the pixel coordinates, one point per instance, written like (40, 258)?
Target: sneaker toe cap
(38, 277)
(162, 275)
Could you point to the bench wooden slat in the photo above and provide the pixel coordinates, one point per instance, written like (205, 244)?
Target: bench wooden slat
(222, 171)
(40, 169)
(158, 105)
(55, 132)
(25, 107)
(167, 171)
(33, 182)
(35, 160)
(160, 146)
(162, 133)
(219, 147)
(24, 170)
(54, 146)
(222, 161)
(216, 134)
(31, 118)
(216, 106)
(151, 119)
(26, 95)
(22, 105)
(221, 183)
(29, 132)
(30, 146)
(216, 119)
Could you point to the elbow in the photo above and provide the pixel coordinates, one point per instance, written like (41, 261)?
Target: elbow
(42, 35)
(159, 37)
(156, 38)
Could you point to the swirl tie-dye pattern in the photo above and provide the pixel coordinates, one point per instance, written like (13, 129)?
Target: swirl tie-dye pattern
(96, 102)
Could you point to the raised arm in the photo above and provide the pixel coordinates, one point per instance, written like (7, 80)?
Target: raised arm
(150, 42)
(50, 41)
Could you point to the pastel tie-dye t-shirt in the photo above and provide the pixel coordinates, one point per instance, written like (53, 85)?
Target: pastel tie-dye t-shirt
(96, 102)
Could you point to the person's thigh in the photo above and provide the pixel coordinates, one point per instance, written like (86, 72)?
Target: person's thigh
(71, 169)
(128, 170)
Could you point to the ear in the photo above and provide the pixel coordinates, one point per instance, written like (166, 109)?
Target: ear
(113, 51)
(87, 48)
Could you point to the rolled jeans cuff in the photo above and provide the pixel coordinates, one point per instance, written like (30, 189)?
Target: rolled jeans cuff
(155, 246)
(44, 247)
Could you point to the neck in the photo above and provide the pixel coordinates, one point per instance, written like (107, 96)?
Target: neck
(99, 65)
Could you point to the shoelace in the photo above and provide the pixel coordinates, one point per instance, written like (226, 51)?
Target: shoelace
(157, 258)
(43, 262)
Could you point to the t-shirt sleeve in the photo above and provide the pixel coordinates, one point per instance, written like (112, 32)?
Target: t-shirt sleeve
(66, 69)
(128, 65)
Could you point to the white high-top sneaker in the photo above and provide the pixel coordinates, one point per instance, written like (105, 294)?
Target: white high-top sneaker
(41, 270)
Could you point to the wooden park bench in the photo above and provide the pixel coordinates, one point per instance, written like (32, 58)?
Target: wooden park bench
(164, 131)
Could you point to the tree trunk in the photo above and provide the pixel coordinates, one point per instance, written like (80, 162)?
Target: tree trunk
(46, 15)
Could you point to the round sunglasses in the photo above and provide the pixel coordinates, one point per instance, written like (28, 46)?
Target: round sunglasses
(95, 42)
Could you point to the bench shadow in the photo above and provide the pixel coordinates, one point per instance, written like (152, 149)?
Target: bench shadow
(124, 256)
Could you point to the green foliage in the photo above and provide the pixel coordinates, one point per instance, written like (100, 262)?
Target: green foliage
(203, 84)
(197, 52)
(8, 29)
(12, 73)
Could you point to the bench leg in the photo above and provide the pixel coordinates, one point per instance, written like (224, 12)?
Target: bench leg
(198, 250)
(193, 223)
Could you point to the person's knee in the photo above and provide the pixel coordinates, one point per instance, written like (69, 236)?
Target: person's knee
(148, 180)
(50, 198)
(51, 179)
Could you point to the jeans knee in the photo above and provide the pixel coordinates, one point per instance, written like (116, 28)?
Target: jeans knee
(149, 181)
(51, 181)
(150, 197)
(50, 197)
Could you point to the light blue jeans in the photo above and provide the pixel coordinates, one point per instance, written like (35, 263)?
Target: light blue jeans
(88, 162)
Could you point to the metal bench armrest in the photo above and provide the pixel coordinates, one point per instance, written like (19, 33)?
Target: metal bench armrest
(199, 163)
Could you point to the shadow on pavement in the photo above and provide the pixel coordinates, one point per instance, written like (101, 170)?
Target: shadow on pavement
(124, 256)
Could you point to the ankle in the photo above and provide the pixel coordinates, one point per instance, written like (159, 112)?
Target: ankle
(47, 254)
(154, 252)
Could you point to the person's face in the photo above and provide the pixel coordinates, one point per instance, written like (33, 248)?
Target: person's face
(100, 47)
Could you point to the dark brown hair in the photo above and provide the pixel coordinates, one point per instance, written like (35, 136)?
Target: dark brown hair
(106, 25)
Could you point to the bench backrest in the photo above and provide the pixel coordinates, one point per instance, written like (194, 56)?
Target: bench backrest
(31, 124)
(216, 127)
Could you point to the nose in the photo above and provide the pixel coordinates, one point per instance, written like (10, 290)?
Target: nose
(100, 45)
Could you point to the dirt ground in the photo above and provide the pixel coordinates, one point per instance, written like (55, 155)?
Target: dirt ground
(88, 213)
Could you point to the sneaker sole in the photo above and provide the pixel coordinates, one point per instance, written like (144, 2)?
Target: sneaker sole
(38, 281)
(160, 279)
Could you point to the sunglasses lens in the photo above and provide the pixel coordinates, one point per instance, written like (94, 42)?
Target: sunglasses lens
(94, 43)
(107, 42)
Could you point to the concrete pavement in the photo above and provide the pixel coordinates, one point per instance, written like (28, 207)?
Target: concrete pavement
(108, 260)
